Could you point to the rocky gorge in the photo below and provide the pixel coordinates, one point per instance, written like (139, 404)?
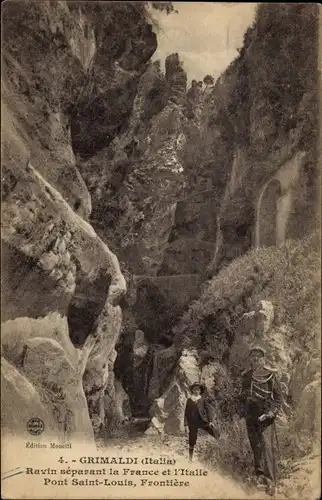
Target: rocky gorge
(152, 229)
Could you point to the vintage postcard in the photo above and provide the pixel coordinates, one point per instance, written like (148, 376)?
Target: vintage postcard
(160, 258)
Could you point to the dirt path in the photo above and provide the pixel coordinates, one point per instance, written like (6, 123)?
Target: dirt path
(302, 480)
(214, 485)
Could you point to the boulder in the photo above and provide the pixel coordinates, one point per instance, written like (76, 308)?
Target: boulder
(307, 418)
(140, 348)
(46, 363)
(163, 362)
(22, 401)
(174, 406)
(99, 368)
(47, 366)
(122, 402)
(259, 321)
(305, 369)
(114, 403)
(167, 411)
(188, 370)
(264, 317)
(37, 222)
(253, 325)
(15, 334)
(109, 324)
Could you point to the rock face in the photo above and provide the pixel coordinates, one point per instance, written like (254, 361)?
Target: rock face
(254, 173)
(134, 202)
(54, 263)
(143, 171)
(110, 87)
(250, 182)
(39, 81)
(40, 231)
(22, 403)
(45, 364)
(168, 410)
(140, 348)
(55, 366)
(48, 367)
(306, 367)
(308, 413)
(99, 368)
(64, 83)
(177, 79)
(161, 300)
(274, 165)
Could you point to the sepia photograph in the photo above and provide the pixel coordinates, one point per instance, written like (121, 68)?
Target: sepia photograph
(160, 250)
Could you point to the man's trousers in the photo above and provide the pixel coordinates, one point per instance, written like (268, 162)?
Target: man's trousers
(260, 436)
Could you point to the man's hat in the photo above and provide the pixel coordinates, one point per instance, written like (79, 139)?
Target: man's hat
(196, 384)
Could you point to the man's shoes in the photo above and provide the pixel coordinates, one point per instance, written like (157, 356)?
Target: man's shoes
(260, 482)
(271, 490)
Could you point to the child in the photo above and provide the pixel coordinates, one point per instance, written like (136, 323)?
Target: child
(198, 415)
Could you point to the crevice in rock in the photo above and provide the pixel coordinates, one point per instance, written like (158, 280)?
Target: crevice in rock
(86, 305)
(20, 276)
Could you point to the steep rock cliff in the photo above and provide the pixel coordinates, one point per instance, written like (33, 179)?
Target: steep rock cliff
(135, 184)
(55, 77)
(251, 144)
(269, 115)
(136, 181)
(253, 160)
(47, 261)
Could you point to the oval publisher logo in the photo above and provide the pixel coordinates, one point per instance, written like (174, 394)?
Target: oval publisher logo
(35, 426)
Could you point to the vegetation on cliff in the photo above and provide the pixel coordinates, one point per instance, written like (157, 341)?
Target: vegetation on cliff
(287, 276)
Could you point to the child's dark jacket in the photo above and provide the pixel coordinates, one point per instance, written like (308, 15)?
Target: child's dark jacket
(203, 409)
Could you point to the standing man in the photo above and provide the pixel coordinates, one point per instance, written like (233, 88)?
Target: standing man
(260, 400)
(199, 413)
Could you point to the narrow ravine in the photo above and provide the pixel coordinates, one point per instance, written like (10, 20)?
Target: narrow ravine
(160, 215)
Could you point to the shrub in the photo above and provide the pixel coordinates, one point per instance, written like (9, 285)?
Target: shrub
(287, 275)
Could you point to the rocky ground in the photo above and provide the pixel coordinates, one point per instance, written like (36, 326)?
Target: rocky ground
(300, 479)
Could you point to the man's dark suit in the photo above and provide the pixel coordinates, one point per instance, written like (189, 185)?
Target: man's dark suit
(260, 395)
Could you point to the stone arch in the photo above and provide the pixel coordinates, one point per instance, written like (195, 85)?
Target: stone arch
(276, 201)
(268, 223)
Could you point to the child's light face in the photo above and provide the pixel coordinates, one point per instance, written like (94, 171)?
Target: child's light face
(196, 391)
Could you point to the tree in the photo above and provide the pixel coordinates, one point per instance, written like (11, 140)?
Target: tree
(164, 6)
